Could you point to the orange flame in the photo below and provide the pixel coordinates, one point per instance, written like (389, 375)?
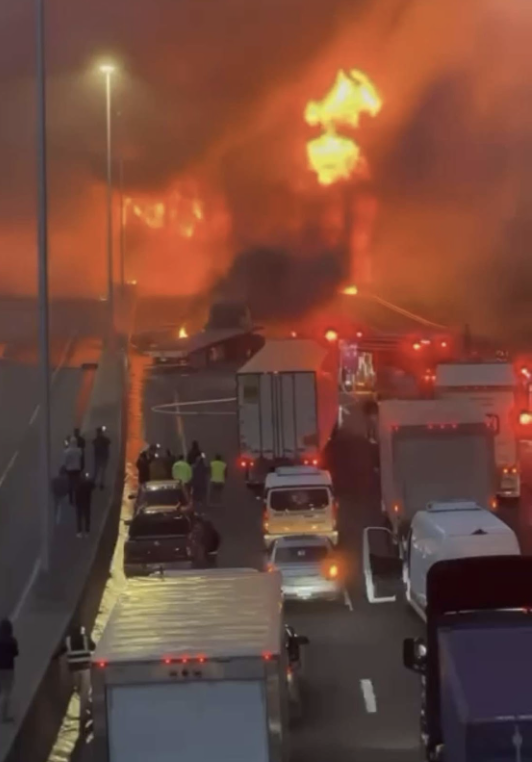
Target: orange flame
(332, 156)
(183, 333)
(350, 291)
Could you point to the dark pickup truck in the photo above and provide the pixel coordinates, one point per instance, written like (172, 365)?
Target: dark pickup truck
(160, 540)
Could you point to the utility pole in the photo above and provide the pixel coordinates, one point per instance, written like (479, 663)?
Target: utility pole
(44, 328)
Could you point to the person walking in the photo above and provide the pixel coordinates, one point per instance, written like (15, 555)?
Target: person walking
(78, 647)
(158, 469)
(194, 454)
(200, 481)
(218, 477)
(182, 471)
(8, 654)
(212, 541)
(80, 441)
(143, 467)
(371, 413)
(101, 446)
(198, 546)
(72, 462)
(83, 497)
(59, 492)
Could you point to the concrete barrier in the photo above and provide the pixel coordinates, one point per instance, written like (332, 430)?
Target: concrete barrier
(60, 602)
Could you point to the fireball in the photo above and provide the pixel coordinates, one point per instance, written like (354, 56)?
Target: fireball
(333, 156)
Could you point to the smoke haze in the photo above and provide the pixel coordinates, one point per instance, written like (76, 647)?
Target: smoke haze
(219, 96)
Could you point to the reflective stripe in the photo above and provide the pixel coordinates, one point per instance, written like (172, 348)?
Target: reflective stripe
(78, 655)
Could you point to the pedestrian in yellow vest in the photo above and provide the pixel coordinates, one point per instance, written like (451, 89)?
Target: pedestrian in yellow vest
(182, 471)
(218, 476)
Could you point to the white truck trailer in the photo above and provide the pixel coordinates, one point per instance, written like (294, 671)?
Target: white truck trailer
(494, 387)
(433, 451)
(193, 667)
(288, 405)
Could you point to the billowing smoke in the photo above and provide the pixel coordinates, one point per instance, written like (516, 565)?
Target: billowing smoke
(218, 94)
(278, 285)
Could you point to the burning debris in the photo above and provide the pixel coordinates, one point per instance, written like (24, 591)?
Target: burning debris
(334, 156)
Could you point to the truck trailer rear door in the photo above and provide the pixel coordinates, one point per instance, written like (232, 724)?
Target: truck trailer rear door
(190, 722)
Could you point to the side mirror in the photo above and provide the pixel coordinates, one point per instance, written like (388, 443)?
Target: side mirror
(302, 640)
(414, 654)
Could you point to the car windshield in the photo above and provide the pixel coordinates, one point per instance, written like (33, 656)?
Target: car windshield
(164, 496)
(158, 525)
(301, 554)
(303, 499)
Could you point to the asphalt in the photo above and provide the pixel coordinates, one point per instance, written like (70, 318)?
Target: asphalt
(352, 653)
(75, 331)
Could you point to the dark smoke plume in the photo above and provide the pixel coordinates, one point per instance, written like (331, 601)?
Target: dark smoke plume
(277, 285)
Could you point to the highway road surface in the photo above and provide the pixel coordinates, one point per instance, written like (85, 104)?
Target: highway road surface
(360, 703)
(75, 340)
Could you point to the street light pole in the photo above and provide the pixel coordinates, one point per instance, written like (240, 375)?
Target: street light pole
(42, 245)
(108, 71)
(122, 228)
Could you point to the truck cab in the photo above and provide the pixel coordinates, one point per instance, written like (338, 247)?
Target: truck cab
(299, 500)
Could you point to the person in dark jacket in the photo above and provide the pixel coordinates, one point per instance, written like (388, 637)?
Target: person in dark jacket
(212, 540)
(78, 647)
(143, 467)
(8, 654)
(60, 487)
(194, 453)
(200, 481)
(83, 499)
(101, 444)
(80, 441)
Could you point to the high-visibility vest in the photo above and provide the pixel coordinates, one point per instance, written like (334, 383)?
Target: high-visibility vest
(182, 471)
(218, 469)
(78, 652)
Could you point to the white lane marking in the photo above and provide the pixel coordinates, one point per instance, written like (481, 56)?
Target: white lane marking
(195, 402)
(348, 601)
(9, 466)
(54, 376)
(368, 693)
(180, 426)
(29, 584)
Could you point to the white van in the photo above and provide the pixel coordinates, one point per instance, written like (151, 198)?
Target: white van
(457, 529)
(299, 500)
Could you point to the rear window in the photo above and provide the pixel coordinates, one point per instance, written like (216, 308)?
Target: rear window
(166, 497)
(158, 525)
(308, 554)
(308, 499)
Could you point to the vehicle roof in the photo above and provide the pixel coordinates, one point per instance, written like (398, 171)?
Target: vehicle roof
(297, 540)
(475, 374)
(502, 690)
(285, 355)
(158, 484)
(420, 412)
(460, 523)
(322, 479)
(217, 613)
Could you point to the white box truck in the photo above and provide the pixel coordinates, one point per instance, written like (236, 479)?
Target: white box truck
(494, 387)
(288, 404)
(193, 667)
(433, 451)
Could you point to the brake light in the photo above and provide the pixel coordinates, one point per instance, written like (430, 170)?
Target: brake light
(443, 344)
(270, 568)
(315, 462)
(416, 346)
(332, 572)
(266, 656)
(265, 522)
(396, 508)
(525, 418)
(493, 502)
(505, 470)
(243, 464)
(101, 664)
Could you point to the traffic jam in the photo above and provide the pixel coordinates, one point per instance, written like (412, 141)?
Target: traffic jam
(442, 430)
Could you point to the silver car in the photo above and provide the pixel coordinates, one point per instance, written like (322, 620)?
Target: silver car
(309, 568)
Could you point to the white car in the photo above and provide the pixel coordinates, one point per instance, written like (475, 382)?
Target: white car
(309, 568)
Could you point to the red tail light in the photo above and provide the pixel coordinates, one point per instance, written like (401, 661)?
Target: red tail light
(243, 464)
(101, 664)
(266, 656)
(270, 568)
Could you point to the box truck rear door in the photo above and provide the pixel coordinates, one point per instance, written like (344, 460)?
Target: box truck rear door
(192, 721)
